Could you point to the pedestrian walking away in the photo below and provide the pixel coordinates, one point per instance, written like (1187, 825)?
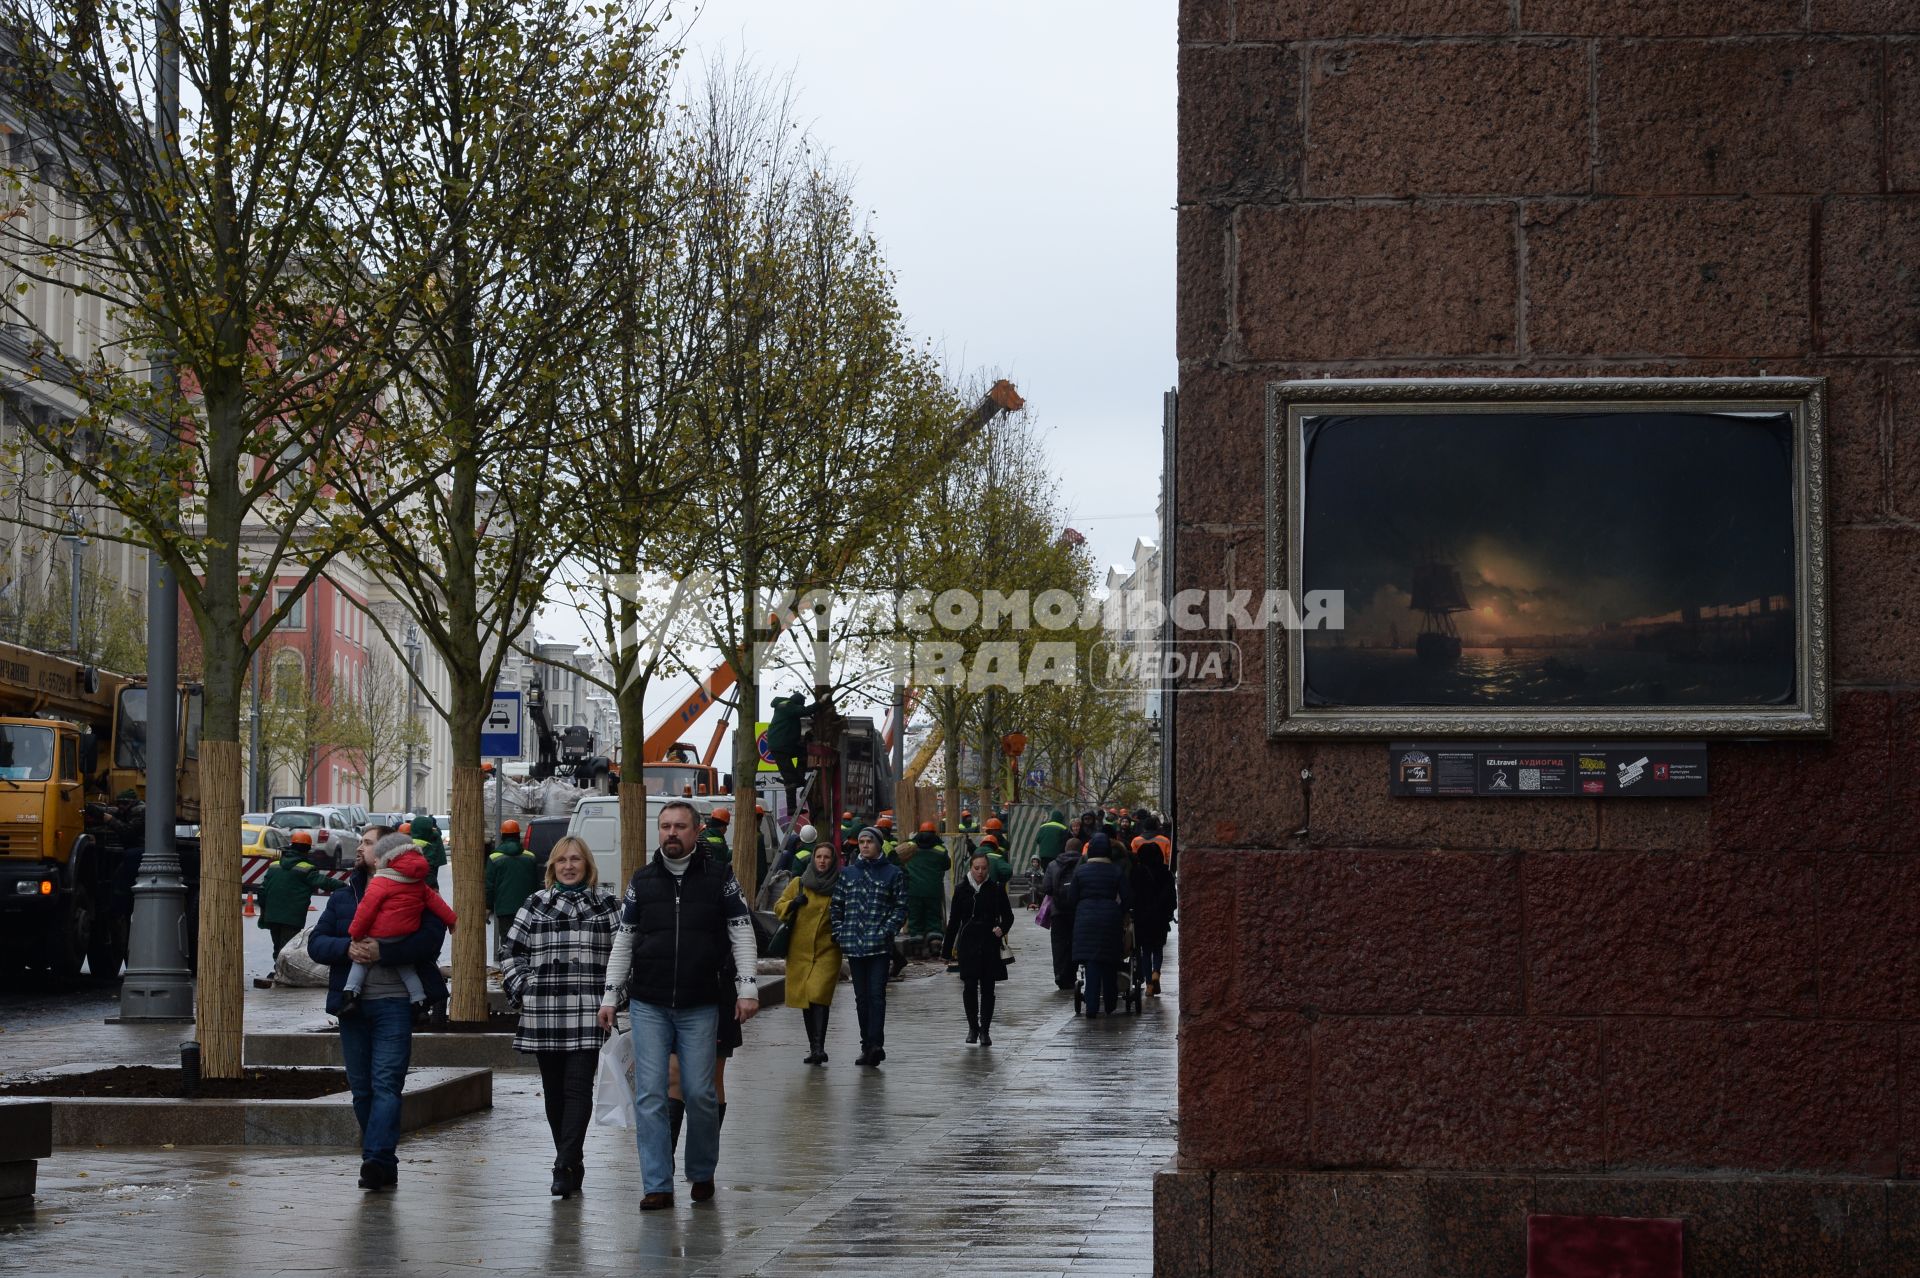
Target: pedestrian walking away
(1050, 840)
(982, 916)
(426, 836)
(287, 891)
(553, 972)
(1154, 901)
(869, 905)
(390, 908)
(1099, 902)
(682, 913)
(813, 959)
(377, 1045)
(513, 873)
(1054, 888)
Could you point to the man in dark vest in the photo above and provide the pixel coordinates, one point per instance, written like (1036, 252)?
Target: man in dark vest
(684, 925)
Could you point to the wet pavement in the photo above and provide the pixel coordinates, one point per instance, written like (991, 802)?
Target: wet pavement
(1033, 1157)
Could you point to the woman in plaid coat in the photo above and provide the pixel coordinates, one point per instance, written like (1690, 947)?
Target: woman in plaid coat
(554, 971)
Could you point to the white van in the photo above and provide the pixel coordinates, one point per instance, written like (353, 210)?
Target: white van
(597, 822)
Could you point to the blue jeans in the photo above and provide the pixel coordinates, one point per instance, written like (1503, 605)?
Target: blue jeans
(1150, 961)
(691, 1033)
(870, 998)
(1103, 987)
(376, 1046)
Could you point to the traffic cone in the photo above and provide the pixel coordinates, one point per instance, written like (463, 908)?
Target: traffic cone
(248, 912)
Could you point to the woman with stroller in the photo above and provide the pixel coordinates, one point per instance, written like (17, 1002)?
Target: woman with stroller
(981, 917)
(1099, 900)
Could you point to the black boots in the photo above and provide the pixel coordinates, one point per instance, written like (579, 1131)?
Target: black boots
(815, 1017)
(973, 1032)
(566, 1181)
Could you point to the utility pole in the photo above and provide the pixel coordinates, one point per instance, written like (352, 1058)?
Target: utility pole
(158, 984)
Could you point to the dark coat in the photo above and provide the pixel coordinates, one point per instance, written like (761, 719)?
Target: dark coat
(1054, 885)
(1100, 900)
(1154, 900)
(682, 956)
(328, 943)
(976, 912)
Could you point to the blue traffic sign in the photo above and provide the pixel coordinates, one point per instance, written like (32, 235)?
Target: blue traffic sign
(500, 734)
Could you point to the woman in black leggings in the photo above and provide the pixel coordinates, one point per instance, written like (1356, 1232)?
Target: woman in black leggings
(982, 915)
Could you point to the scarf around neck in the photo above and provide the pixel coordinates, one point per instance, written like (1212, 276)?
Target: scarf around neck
(813, 881)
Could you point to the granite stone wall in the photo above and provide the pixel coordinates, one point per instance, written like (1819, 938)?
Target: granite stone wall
(1464, 1010)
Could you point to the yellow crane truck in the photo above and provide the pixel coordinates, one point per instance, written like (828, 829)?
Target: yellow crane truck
(73, 777)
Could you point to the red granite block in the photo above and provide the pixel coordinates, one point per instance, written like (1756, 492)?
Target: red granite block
(1617, 18)
(1335, 19)
(1670, 276)
(1360, 282)
(1396, 119)
(1869, 936)
(1239, 123)
(1876, 605)
(1244, 1087)
(1867, 251)
(1362, 932)
(1763, 1096)
(1457, 1093)
(1664, 934)
(1809, 795)
(1739, 117)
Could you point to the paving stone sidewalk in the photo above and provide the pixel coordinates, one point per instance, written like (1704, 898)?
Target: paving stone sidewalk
(1034, 1157)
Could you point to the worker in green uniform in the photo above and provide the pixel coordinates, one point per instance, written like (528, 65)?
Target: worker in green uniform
(806, 839)
(1051, 838)
(513, 872)
(713, 835)
(927, 868)
(889, 845)
(997, 863)
(425, 832)
(967, 824)
(849, 831)
(288, 890)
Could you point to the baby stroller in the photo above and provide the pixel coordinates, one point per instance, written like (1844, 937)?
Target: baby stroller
(1133, 980)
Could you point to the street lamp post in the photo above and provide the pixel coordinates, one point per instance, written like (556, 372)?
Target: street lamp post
(413, 702)
(76, 544)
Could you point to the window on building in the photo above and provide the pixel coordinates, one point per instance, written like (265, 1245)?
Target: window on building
(297, 615)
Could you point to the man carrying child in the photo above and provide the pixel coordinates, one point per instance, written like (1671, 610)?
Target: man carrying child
(376, 1040)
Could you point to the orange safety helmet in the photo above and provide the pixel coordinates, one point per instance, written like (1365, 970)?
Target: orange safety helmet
(760, 810)
(928, 827)
(884, 823)
(509, 827)
(301, 836)
(406, 827)
(723, 815)
(993, 823)
(846, 816)
(990, 840)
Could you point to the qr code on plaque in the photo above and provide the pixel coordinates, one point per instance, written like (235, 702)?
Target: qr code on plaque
(1529, 778)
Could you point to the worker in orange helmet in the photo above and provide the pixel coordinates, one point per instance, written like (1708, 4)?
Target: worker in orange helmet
(513, 874)
(713, 835)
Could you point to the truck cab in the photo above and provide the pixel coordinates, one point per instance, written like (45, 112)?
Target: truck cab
(50, 864)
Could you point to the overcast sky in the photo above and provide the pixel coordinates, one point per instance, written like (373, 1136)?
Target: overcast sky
(1018, 160)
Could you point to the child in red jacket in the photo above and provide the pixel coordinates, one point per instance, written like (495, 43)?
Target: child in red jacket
(390, 910)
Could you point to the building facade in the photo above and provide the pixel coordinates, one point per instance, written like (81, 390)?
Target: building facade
(1416, 1035)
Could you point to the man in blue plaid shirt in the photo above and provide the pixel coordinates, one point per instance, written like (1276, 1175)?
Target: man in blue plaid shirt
(869, 905)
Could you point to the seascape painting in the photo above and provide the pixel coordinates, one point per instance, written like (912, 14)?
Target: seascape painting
(1549, 559)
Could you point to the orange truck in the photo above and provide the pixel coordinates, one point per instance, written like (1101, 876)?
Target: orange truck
(73, 776)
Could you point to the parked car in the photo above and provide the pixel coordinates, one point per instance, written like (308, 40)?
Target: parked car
(332, 829)
(543, 832)
(257, 839)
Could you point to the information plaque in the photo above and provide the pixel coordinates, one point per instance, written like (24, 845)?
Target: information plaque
(1546, 769)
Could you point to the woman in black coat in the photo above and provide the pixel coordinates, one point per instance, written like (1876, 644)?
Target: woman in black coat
(981, 917)
(1100, 900)
(1154, 901)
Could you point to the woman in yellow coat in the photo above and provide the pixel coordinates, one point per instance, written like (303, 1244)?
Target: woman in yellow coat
(813, 960)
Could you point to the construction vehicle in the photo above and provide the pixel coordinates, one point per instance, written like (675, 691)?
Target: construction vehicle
(73, 778)
(568, 753)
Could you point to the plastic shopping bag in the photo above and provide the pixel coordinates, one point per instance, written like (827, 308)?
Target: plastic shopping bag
(613, 1082)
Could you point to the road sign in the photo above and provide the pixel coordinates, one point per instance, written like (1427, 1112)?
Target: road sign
(1037, 777)
(500, 733)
